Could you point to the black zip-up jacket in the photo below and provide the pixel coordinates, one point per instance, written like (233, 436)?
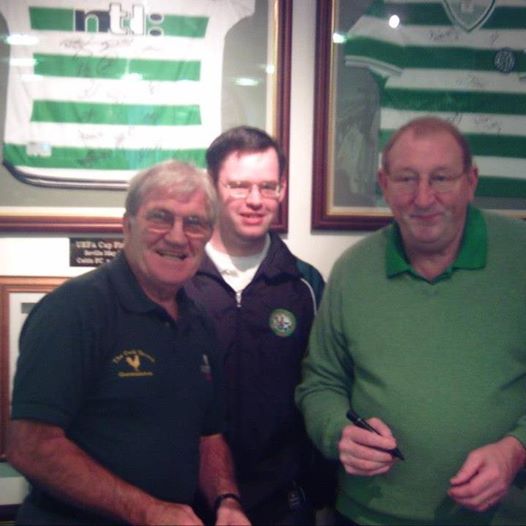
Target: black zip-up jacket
(264, 335)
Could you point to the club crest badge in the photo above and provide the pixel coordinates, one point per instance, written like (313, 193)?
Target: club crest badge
(282, 322)
(505, 60)
(469, 14)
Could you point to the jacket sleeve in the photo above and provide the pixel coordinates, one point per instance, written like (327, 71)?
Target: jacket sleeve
(313, 277)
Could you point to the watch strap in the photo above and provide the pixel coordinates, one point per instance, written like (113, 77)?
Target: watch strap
(223, 496)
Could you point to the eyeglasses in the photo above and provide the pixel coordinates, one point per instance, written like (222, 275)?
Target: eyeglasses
(242, 189)
(162, 221)
(440, 183)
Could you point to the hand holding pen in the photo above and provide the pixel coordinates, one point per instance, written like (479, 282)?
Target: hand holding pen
(367, 448)
(356, 419)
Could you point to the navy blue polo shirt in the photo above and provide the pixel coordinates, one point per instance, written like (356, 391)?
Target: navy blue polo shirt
(129, 385)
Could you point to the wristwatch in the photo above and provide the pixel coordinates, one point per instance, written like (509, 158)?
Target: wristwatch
(223, 496)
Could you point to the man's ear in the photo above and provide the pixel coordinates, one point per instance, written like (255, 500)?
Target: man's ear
(126, 226)
(383, 182)
(473, 180)
(283, 189)
(382, 179)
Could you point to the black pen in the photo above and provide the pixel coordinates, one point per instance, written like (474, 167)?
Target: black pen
(357, 420)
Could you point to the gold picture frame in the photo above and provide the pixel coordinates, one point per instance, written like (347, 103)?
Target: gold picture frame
(17, 295)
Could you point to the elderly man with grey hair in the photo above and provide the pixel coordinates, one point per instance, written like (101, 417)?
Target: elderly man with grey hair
(118, 385)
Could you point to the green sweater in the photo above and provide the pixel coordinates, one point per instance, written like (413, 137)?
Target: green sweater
(443, 363)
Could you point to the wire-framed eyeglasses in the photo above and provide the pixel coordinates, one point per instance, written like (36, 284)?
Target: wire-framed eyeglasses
(242, 189)
(440, 183)
(162, 221)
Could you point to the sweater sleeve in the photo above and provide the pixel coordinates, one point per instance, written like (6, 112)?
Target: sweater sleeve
(323, 395)
(519, 432)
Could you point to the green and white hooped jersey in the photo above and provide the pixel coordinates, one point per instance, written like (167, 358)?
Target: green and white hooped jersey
(463, 60)
(106, 88)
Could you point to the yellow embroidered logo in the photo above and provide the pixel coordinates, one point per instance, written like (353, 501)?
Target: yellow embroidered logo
(134, 362)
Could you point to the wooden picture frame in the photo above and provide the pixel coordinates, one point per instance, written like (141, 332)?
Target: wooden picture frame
(262, 101)
(330, 193)
(17, 295)
(347, 115)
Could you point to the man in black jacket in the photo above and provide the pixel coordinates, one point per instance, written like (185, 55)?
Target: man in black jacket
(263, 300)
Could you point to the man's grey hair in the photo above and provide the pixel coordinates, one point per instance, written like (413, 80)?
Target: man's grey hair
(182, 177)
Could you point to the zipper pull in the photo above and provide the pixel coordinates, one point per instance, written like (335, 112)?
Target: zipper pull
(238, 298)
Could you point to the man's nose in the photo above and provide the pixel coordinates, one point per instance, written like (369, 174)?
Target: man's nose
(424, 193)
(176, 234)
(254, 196)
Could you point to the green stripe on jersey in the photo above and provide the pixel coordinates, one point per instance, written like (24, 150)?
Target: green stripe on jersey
(183, 26)
(100, 158)
(501, 187)
(129, 114)
(484, 145)
(426, 57)
(116, 68)
(507, 18)
(51, 19)
(454, 101)
(512, 146)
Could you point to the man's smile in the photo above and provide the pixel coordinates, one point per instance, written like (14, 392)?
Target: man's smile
(172, 255)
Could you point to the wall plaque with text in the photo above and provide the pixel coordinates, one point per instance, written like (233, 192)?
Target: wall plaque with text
(92, 252)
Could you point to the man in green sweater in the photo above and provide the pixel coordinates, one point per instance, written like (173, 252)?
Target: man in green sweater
(422, 331)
